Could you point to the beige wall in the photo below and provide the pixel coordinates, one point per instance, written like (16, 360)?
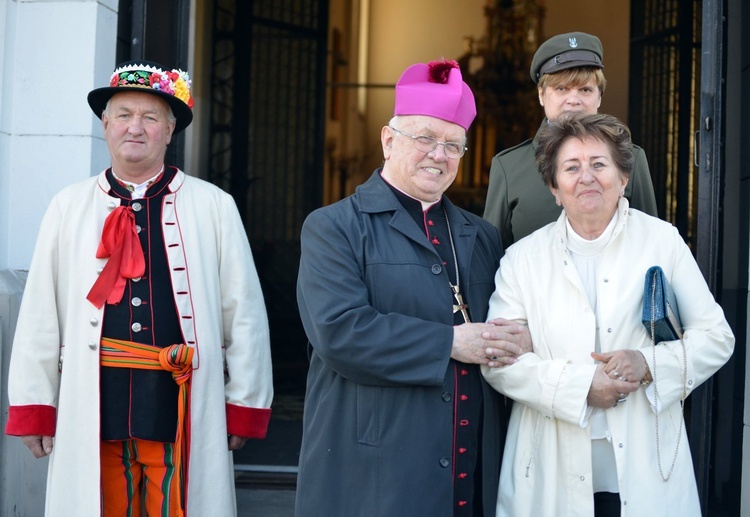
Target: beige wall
(611, 22)
(403, 33)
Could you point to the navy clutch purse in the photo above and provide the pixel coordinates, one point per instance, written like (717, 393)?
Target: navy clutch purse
(661, 316)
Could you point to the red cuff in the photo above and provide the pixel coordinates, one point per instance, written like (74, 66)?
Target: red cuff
(32, 420)
(247, 422)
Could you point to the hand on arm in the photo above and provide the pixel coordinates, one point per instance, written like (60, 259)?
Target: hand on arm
(493, 344)
(40, 446)
(507, 332)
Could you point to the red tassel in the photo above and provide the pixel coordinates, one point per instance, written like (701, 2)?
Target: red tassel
(439, 71)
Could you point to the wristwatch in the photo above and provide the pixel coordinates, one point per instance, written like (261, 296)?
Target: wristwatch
(647, 379)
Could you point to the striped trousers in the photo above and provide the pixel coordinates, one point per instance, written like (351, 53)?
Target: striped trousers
(139, 479)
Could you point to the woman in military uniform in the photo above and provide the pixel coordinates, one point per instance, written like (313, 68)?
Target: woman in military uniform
(568, 72)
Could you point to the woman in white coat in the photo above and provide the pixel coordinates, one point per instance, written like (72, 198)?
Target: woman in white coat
(583, 436)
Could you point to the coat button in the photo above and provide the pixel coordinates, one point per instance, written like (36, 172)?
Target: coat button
(437, 269)
(447, 396)
(137, 207)
(138, 229)
(111, 205)
(136, 327)
(92, 345)
(136, 301)
(94, 322)
(99, 270)
(445, 462)
(137, 279)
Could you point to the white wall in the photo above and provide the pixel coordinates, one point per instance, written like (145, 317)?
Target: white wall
(52, 53)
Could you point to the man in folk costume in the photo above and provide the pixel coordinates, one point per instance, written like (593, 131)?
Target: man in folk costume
(398, 420)
(141, 357)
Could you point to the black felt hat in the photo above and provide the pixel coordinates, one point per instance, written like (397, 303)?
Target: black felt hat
(145, 76)
(571, 50)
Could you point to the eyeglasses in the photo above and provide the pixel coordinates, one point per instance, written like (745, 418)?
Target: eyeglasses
(427, 144)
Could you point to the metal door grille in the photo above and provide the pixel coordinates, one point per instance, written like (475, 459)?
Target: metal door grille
(268, 102)
(666, 118)
(267, 141)
(664, 102)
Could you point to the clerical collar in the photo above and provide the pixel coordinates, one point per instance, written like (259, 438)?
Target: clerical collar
(138, 190)
(425, 206)
(432, 218)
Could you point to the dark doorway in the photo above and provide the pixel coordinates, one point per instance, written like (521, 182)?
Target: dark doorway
(677, 76)
(268, 70)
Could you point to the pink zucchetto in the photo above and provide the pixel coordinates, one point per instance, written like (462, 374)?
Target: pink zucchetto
(435, 89)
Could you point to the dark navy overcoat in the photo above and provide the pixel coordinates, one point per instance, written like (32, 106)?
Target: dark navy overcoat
(378, 421)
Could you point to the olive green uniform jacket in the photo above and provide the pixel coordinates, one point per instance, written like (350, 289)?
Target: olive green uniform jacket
(518, 201)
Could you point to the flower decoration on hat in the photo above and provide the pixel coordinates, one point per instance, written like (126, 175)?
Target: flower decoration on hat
(148, 77)
(175, 82)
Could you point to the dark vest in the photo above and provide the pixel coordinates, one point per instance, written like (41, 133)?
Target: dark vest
(142, 403)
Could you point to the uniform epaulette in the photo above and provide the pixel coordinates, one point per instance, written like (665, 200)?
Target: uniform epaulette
(509, 149)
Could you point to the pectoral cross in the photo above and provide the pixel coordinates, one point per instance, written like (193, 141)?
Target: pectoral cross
(460, 305)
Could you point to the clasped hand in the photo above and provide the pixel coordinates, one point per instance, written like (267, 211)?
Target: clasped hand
(619, 374)
(498, 342)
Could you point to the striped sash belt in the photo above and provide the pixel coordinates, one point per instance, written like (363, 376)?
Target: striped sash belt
(177, 359)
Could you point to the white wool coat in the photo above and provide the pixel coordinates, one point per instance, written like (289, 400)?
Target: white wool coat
(224, 314)
(546, 469)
